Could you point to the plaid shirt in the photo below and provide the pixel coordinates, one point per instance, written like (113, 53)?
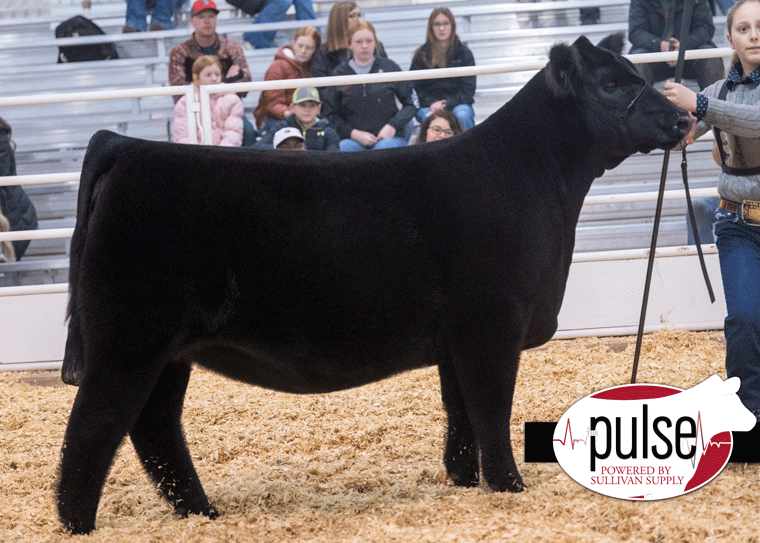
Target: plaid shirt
(229, 52)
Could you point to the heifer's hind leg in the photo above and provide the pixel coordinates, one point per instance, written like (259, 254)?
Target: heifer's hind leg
(461, 454)
(159, 441)
(107, 404)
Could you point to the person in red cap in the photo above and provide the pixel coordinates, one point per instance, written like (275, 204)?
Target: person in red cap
(205, 41)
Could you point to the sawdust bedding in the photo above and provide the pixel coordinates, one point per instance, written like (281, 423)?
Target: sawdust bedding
(365, 464)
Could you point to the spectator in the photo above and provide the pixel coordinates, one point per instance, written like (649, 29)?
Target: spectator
(732, 109)
(318, 133)
(335, 50)
(15, 205)
(442, 49)
(366, 116)
(160, 15)
(289, 138)
(205, 41)
(273, 12)
(439, 125)
(654, 26)
(590, 16)
(290, 62)
(226, 109)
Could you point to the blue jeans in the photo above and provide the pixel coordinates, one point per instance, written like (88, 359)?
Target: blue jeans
(274, 12)
(353, 145)
(704, 214)
(137, 14)
(463, 112)
(739, 252)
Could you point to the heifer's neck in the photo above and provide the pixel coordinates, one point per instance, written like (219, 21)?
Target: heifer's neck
(562, 155)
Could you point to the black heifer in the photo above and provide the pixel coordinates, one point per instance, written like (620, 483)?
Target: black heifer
(324, 271)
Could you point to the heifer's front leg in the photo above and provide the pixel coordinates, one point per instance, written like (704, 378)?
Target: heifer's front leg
(160, 443)
(461, 454)
(487, 375)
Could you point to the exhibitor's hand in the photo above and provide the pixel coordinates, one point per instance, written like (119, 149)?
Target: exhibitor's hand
(681, 96)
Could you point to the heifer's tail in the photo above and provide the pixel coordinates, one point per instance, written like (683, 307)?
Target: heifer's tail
(97, 160)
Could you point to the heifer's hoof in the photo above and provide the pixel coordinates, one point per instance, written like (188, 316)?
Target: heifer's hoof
(78, 528)
(510, 483)
(465, 480)
(516, 485)
(207, 511)
(462, 466)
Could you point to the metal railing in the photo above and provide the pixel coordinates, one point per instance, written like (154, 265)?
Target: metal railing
(203, 106)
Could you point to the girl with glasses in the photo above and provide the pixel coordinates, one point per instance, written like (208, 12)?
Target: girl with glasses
(439, 125)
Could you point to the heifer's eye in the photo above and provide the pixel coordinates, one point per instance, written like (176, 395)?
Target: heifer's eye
(611, 86)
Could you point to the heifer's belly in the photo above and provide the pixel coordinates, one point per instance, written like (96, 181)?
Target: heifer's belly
(299, 370)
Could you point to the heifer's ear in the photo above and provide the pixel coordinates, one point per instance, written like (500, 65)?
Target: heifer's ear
(613, 42)
(562, 70)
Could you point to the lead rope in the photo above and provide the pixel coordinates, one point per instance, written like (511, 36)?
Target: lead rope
(685, 25)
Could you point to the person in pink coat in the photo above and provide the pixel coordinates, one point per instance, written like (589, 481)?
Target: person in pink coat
(226, 109)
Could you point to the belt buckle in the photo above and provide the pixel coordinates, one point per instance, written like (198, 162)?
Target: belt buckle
(750, 212)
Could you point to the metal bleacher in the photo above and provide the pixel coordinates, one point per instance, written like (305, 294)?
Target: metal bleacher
(51, 138)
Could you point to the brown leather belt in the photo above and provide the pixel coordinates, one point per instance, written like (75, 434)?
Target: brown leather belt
(748, 210)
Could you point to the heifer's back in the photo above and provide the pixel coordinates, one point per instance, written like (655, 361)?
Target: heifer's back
(318, 255)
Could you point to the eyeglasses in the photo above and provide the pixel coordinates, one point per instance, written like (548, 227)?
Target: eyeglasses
(437, 130)
(442, 25)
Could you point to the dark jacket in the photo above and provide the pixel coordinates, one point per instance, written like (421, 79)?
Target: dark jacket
(14, 202)
(647, 25)
(320, 137)
(371, 106)
(455, 90)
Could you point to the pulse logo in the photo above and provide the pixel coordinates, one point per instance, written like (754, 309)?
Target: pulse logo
(651, 442)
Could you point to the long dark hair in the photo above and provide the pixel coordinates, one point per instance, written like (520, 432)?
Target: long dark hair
(336, 33)
(431, 55)
(453, 120)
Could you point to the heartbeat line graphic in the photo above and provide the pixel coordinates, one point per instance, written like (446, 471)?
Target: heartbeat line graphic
(701, 439)
(569, 430)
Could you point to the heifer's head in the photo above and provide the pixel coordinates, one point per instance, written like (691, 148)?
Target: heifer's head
(623, 112)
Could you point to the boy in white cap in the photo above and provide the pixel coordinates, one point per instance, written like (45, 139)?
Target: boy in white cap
(289, 138)
(317, 133)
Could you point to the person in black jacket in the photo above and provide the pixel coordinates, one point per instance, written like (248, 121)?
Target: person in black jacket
(318, 133)
(14, 202)
(366, 115)
(442, 49)
(654, 26)
(334, 50)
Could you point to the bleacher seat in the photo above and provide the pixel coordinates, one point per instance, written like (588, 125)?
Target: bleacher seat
(52, 137)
